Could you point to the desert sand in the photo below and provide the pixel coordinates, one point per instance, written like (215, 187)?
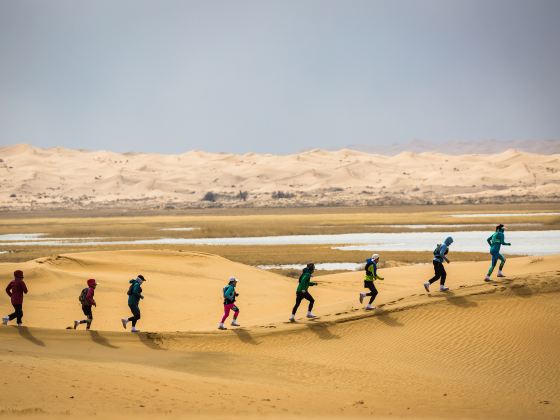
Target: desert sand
(480, 351)
(58, 178)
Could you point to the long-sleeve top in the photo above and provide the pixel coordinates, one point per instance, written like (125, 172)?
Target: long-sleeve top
(16, 289)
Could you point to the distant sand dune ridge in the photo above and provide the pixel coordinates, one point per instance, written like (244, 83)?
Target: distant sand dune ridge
(63, 178)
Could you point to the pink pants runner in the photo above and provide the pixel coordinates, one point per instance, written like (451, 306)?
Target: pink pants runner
(227, 309)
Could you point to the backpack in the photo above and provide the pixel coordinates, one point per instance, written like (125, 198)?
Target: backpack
(129, 293)
(437, 251)
(369, 263)
(83, 297)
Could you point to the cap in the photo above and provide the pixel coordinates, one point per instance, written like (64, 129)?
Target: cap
(18, 274)
(91, 282)
(375, 256)
(141, 277)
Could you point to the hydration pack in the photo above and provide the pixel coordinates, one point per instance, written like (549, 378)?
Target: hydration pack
(369, 263)
(129, 293)
(83, 297)
(437, 251)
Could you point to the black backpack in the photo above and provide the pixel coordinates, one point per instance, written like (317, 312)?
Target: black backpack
(129, 293)
(437, 250)
(83, 297)
(369, 263)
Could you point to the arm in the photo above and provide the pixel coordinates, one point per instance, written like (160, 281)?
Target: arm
(137, 291)
(24, 288)
(9, 290)
(375, 276)
(89, 297)
(503, 240)
(442, 253)
(489, 240)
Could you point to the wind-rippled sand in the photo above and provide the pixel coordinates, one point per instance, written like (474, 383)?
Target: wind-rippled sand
(481, 351)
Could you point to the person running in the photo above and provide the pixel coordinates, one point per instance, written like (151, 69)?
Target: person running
(87, 301)
(303, 293)
(229, 303)
(371, 276)
(134, 296)
(439, 257)
(16, 289)
(496, 240)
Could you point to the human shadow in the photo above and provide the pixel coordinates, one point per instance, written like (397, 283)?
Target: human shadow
(387, 319)
(246, 337)
(150, 340)
(322, 331)
(521, 290)
(26, 333)
(99, 339)
(460, 301)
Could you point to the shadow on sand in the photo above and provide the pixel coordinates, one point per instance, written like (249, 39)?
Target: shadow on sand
(26, 333)
(387, 319)
(246, 337)
(322, 331)
(460, 301)
(521, 290)
(151, 340)
(99, 339)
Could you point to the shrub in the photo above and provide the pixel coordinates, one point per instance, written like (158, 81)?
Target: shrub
(210, 196)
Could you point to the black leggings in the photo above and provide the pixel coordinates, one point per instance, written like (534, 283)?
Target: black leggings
(439, 273)
(135, 314)
(372, 291)
(299, 297)
(18, 313)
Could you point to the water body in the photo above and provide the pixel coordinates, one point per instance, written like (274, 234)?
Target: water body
(504, 215)
(524, 242)
(449, 226)
(349, 266)
(180, 229)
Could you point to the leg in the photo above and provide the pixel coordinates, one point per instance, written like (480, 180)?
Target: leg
(235, 312)
(19, 313)
(311, 301)
(443, 275)
(502, 261)
(437, 273)
(493, 264)
(135, 314)
(299, 298)
(14, 314)
(227, 308)
(373, 292)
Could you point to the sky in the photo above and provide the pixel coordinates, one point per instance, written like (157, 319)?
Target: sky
(279, 76)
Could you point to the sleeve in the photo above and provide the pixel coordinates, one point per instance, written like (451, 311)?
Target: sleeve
(25, 288)
(489, 240)
(502, 239)
(89, 296)
(442, 251)
(9, 289)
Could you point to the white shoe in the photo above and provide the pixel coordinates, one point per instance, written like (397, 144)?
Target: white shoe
(427, 286)
(293, 318)
(500, 274)
(443, 289)
(369, 308)
(76, 323)
(5, 320)
(310, 315)
(234, 323)
(362, 296)
(134, 330)
(124, 322)
(221, 327)
(487, 278)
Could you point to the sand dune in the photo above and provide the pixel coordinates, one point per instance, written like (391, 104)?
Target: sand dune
(482, 351)
(61, 178)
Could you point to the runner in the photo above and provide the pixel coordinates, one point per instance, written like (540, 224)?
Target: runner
(16, 289)
(302, 292)
(229, 303)
(371, 276)
(87, 301)
(439, 257)
(496, 240)
(134, 296)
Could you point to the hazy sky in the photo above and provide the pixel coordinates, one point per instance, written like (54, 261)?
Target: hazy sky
(276, 76)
